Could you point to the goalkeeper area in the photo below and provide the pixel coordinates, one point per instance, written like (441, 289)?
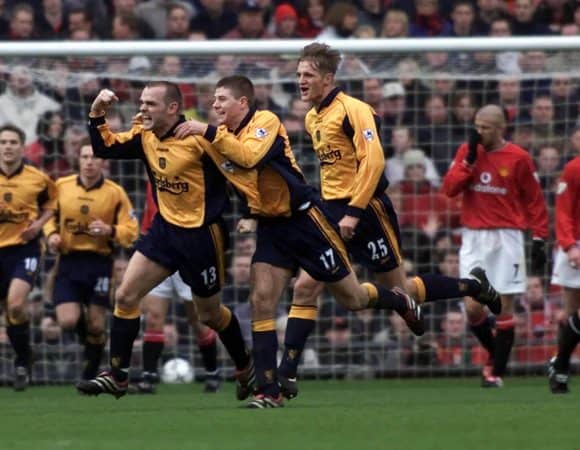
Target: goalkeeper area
(426, 98)
(449, 414)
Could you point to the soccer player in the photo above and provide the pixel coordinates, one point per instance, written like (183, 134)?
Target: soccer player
(155, 306)
(501, 199)
(345, 138)
(187, 235)
(292, 230)
(566, 273)
(27, 202)
(94, 214)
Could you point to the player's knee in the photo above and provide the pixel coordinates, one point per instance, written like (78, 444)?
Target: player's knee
(263, 304)
(304, 293)
(67, 323)
(209, 314)
(126, 299)
(16, 313)
(96, 328)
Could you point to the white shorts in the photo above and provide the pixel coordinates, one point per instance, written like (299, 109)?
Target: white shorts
(500, 252)
(563, 274)
(172, 287)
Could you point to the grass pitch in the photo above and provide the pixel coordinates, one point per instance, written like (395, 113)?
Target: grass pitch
(446, 414)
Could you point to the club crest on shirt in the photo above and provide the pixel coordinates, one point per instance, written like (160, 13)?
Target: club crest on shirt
(317, 135)
(84, 209)
(8, 197)
(261, 133)
(368, 134)
(162, 163)
(562, 186)
(504, 172)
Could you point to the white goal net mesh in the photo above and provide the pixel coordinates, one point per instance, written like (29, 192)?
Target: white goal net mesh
(427, 103)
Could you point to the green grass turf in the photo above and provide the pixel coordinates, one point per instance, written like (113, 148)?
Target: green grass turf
(445, 414)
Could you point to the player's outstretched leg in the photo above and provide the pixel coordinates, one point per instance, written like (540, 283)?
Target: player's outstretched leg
(433, 287)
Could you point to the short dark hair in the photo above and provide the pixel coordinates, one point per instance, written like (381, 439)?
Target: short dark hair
(172, 92)
(324, 58)
(240, 86)
(14, 129)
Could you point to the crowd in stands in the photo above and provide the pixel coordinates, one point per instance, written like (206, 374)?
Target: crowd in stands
(426, 103)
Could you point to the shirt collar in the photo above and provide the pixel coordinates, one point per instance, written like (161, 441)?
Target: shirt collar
(97, 185)
(328, 99)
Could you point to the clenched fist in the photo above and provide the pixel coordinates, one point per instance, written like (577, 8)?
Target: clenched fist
(102, 102)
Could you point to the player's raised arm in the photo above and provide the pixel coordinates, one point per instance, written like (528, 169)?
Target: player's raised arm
(106, 144)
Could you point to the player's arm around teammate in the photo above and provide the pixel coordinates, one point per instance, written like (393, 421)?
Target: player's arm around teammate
(27, 202)
(94, 214)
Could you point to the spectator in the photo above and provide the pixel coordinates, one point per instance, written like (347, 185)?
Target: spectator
(523, 23)
(454, 346)
(79, 20)
(22, 104)
(544, 128)
(505, 62)
(428, 20)
(49, 147)
(371, 12)
(395, 24)
(125, 27)
(487, 12)
(22, 26)
(508, 97)
(154, 13)
(213, 19)
(534, 63)
(372, 93)
(565, 97)
(285, 22)
(548, 164)
(251, 23)
(462, 115)
(51, 22)
(394, 109)
(402, 142)
(340, 22)
(435, 132)
(178, 19)
(311, 21)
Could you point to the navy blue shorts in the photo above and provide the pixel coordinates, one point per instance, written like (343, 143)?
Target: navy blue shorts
(18, 261)
(83, 277)
(306, 240)
(197, 253)
(377, 241)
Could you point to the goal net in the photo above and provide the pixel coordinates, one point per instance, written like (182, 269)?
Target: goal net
(426, 100)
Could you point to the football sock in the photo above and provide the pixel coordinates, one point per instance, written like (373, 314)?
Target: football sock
(153, 343)
(301, 322)
(504, 341)
(382, 298)
(207, 344)
(432, 287)
(265, 350)
(228, 329)
(19, 336)
(482, 331)
(123, 334)
(567, 341)
(94, 346)
(81, 329)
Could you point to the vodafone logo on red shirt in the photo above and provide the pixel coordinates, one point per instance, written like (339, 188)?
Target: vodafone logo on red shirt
(485, 186)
